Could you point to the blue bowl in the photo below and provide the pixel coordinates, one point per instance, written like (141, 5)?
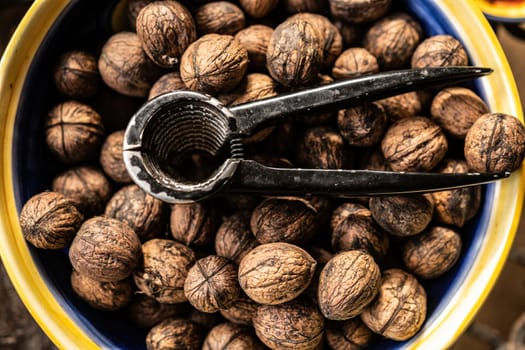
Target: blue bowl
(42, 277)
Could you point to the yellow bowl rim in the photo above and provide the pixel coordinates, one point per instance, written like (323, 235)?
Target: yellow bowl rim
(501, 94)
(502, 12)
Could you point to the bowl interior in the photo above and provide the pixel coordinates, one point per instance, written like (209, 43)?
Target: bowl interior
(85, 24)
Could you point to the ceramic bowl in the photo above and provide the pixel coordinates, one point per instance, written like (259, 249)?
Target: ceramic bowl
(508, 11)
(42, 277)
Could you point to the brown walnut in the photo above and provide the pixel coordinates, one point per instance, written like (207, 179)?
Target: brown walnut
(220, 17)
(133, 10)
(351, 33)
(258, 8)
(362, 126)
(204, 319)
(193, 224)
(353, 62)
(175, 333)
(255, 39)
(359, 11)
(112, 160)
(146, 312)
(234, 238)
(311, 6)
(348, 335)
(406, 105)
(76, 74)
(166, 83)
(321, 147)
(439, 51)
(230, 336)
(107, 296)
(242, 310)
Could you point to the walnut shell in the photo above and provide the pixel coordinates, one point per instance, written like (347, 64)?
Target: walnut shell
(164, 267)
(294, 325)
(214, 63)
(344, 210)
(234, 238)
(166, 83)
(212, 284)
(175, 333)
(107, 296)
(354, 62)
(433, 252)
(166, 29)
(258, 8)
(362, 126)
(242, 310)
(275, 273)
(350, 32)
(495, 143)
(204, 319)
(76, 74)
(311, 6)
(140, 211)
(229, 336)
(405, 105)
(348, 335)
(400, 308)
(193, 224)
(414, 144)
(255, 39)
(133, 10)
(439, 51)
(105, 249)
(321, 147)
(359, 11)
(49, 220)
(112, 160)
(220, 17)
(146, 312)
(347, 284)
(74, 132)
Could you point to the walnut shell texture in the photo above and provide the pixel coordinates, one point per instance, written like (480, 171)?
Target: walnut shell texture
(242, 310)
(258, 8)
(255, 39)
(166, 83)
(321, 147)
(362, 126)
(192, 224)
(359, 11)
(234, 238)
(76, 74)
(146, 312)
(107, 296)
(439, 51)
(112, 160)
(229, 336)
(275, 273)
(175, 333)
(219, 17)
(402, 106)
(348, 335)
(354, 62)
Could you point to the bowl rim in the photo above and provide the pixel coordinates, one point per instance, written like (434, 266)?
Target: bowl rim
(501, 95)
(502, 12)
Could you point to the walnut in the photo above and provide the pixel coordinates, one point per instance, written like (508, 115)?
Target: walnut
(294, 325)
(348, 335)
(403, 215)
(242, 310)
(166, 83)
(111, 158)
(211, 284)
(86, 186)
(163, 269)
(283, 219)
(232, 337)
(295, 53)
(275, 273)
(193, 224)
(214, 63)
(311, 6)
(495, 143)
(406, 105)
(393, 39)
(351, 33)
(359, 11)
(344, 210)
(175, 333)
(433, 252)
(74, 132)
(354, 62)
(76, 74)
(105, 249)
(204, 319)
(414, 144)
(166, 29)
(133, 10)
(220, 17)
(234, 238)
(321, 147)
(347, 284)
(106, 296)
(125, 67)
(258, 8)
(400, 308)
(140, 211)
(115, 109)
(362, 126)
(146, 312)
(49, 220)
(255, 39)
(439, 51)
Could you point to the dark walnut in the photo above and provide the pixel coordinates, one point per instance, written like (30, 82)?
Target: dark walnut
(347, 284)
(258, 8)
(439, 51)
(106, 296)
(76, 74)
(354, 62)
(146, 312)
(414, 144)
(348, 335)
(456, 207)
(111, 158)
(166, 29)
(362, 126)
(402, 106)
(495, 143)
(455, 109)
(133, 10)
(193, 224)
(212, 284)
(163, 269)
(359, 11)
(372, 159)
(214, 64)
(284, 219)
(242, 310)
(295, 53)
(296, 325)
(255, 39)
(402, 216)
(311, 6)
(74, 132)
(229, 336)
(86, 186)
(433, 252)
(275, 273)
(393, 39)
(140, 211)
(175, 333)
(321, 147)
(115, 109)
(344, 210)
(351, 33)
(400, 308)
(359, 231)
(234, 238)
(166, 83)
(204, 319)
(331, 39)
(220, 17)
(49, 220)
(105, 249)
(125, 67)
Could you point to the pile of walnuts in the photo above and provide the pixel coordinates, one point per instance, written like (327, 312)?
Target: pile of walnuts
(240, 271)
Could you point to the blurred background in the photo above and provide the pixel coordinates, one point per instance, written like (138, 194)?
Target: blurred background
(500, 324)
